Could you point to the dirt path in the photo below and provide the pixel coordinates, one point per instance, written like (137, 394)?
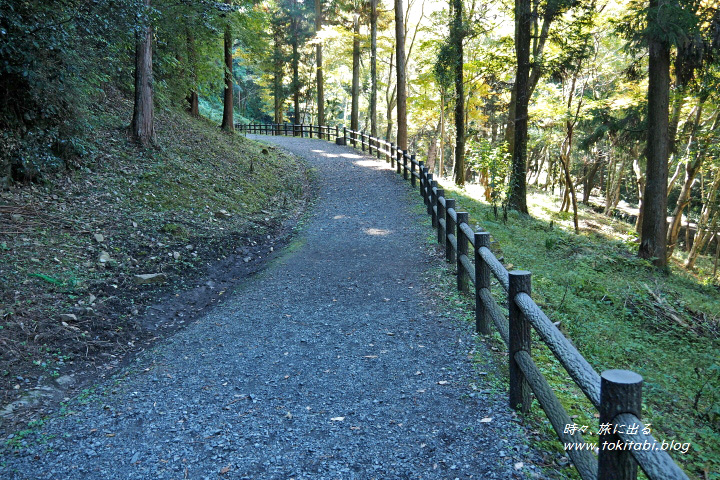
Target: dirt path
(331, 364)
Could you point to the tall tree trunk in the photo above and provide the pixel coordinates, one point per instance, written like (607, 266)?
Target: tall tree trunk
(442, 132)
(143, 124)
(278, 74)
(654, 223)
(319, 60)
(589, 181)
(401, 77)
(523, 21)
(295, 68)
(640, 185)
(432, 149)
(566, 151)
(228, 124)
(192, 98)
(535, 73)
(373, 67)
(390, 100)
(355, 92)
(457, 34)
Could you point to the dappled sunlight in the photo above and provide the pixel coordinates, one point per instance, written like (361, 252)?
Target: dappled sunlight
(325, 154)
(339, 217)
(546, 208)
(374, 164)
(377, 231)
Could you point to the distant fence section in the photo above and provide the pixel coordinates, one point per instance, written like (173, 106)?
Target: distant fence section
(624, 440)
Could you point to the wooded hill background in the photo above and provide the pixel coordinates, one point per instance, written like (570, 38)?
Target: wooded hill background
(611, 104)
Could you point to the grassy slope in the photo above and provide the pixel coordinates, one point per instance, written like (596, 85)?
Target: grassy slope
(620, 313)
(156, 210)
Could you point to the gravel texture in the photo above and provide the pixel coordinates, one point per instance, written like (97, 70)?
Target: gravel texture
(329, 365)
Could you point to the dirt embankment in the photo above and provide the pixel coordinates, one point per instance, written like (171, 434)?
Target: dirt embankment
(98, 263)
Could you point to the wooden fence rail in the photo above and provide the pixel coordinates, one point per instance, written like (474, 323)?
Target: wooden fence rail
(624, 441)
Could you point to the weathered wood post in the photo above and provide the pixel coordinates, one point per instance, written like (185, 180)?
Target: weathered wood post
(433, 207)
(482, 280)
(519, 340)
(405, 165)
(620, 392)
(449, 230)
(412, 170)
(392, 154)
(440, 214)
(398, 159)
(362, 140)
(429, 192)
(310, 127)
(421, 170)
(462, 249)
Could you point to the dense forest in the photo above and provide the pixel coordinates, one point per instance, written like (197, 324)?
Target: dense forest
(610, 105)
(614, 104)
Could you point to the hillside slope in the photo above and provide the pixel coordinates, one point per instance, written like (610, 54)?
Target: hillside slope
(201, 205)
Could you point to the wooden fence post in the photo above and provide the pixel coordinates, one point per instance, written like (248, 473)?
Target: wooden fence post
(462, 249)
(405, 165)
(398, 159)
(392, 155)
(440, 214)
(449, 230)
(429, 193)
(412, 170)
(310, 127)
(362, 140)
(620, 392)
(421, 170)
(482, 280)
(519, 340)
(433, 208)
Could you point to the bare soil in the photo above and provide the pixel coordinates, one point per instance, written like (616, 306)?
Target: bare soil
(204, 209)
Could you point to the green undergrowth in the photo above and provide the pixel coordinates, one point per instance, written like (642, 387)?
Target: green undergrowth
(71, 246)
(620, 313)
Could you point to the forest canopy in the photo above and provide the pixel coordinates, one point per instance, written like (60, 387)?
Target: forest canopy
(604, 105)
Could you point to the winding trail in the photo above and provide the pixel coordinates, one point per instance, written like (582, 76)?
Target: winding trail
(332, 364)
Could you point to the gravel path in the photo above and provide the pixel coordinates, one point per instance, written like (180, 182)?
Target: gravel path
(329, 365)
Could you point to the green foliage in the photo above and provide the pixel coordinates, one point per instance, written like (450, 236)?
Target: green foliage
(621, 313)
(491, 161)
(54, 57)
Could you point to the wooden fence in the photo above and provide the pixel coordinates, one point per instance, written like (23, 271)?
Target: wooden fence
(624, 441)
